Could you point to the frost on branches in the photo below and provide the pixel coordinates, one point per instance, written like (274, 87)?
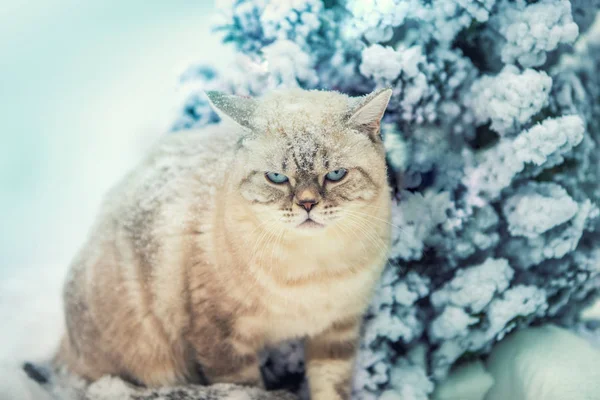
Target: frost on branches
(494, 125)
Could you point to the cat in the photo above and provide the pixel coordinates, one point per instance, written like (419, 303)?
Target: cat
(269, 226)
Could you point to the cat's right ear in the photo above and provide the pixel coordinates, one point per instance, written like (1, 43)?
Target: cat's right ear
(367, 112)
(235, 108)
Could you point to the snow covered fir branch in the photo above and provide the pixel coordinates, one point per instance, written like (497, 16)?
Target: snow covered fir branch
(492, 136)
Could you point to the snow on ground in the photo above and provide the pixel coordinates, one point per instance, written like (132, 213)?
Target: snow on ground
(15, 385)
(31, 314)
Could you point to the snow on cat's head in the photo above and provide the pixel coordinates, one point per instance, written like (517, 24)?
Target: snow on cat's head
(308, 159)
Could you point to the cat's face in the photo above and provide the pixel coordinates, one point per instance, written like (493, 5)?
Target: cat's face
(309, 163)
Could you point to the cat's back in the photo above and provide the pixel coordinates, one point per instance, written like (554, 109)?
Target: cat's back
(167, 197)
(182, 166)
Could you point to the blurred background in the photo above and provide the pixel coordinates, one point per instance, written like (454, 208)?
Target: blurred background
(85, 88)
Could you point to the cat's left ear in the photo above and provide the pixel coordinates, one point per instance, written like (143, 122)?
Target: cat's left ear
(366, 115)
(235, 108)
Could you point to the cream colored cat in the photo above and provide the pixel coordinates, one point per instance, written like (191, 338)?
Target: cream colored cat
(269, 226)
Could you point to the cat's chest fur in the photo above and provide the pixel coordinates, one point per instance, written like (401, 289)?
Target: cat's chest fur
(335, 289)
(307, 310)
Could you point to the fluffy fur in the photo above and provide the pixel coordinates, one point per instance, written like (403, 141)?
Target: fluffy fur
(198, 261)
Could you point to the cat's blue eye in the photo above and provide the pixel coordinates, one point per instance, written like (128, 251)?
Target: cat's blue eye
(336, 175)
(276, 178)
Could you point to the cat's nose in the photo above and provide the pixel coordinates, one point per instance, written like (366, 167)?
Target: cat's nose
(307, 197)
(308, 204)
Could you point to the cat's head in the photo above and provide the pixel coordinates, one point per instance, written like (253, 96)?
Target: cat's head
(308, 159)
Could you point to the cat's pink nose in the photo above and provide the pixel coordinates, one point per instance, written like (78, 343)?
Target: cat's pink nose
(307, 204)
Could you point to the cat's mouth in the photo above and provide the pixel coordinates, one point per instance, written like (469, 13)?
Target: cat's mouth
(310, 224)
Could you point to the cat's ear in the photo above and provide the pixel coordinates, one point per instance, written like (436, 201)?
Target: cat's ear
(366, 113)
(235, 108)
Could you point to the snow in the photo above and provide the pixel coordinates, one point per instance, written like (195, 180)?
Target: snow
(543, 145)
(109, 388)
(15, 384)
(519, 366)
(416, 215)
(385, 64)
(537, 207)
(491, 277)
(288, 65)
(545, 362)
(467, 382)
(533, 30)
(451, 323)
(509, 99)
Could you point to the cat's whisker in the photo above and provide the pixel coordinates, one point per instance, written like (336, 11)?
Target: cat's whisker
(382, 245)
(256, 248)
(265, 261)
(374, 217)
(341, 227)
(253, 253)
(280, 239)
(365, 229)
(402, 231)
(363, 243)
(374, 241)
(274, 246)
(354, 234)
(258, 242)
(257, 227)
(268, 235)
(337, 233)
(271, 234)
(364, 226)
